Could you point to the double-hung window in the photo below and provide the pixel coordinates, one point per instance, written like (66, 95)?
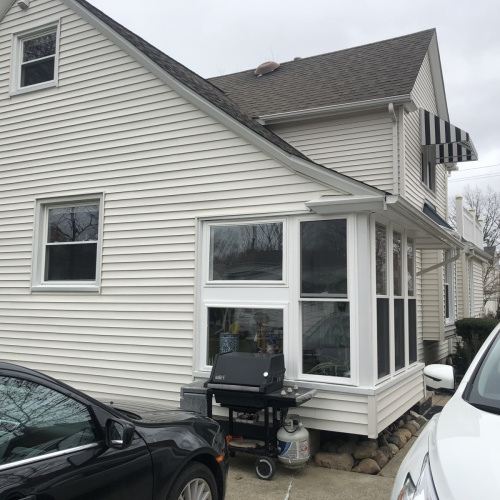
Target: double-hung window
(67, 245)
(35, 59)
(245, 264)
(324, 299)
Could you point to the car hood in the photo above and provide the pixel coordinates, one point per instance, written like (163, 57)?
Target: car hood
(464, 451)
(150, 413)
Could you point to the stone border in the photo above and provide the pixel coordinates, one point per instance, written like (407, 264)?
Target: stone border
(353, 453)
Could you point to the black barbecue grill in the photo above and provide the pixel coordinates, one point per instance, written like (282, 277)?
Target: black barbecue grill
(250, 382)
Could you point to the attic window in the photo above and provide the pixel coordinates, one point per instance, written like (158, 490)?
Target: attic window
(35, 56)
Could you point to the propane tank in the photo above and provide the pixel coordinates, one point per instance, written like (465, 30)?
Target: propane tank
(293, 443)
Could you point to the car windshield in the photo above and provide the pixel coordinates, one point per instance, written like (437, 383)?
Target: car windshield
(484, 389)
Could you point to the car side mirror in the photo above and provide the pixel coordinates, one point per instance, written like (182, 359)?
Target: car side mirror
(440, 377)
(119, 433)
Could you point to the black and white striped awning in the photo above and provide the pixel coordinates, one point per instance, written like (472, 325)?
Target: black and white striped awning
(448, 143)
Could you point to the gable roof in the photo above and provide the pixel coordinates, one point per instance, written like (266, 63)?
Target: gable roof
(369, 72)
(191, 80)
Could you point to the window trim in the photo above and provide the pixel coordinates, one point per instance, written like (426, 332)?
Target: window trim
(38, 283)
(449, 272)
(17, 53)
(428, 170)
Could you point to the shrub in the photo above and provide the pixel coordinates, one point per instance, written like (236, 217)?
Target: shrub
(472, 333)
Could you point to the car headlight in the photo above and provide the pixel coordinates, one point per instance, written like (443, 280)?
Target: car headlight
(424, 490)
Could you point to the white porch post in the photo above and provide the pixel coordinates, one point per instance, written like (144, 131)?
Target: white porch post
(364, 303)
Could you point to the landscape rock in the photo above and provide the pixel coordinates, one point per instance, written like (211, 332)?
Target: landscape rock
(411, 428)
(415, 424)
(365, 449)
(403, 432)
(367, 466)
(381, 458)
(349, 447)
(336, 461)
(382, 440)
(399, 441)
(386, 450)
(394, 448)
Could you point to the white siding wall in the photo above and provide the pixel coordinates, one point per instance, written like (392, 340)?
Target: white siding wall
(113, 127)
(416, 191)
(432, 297)
(477, 279)
(359, 146)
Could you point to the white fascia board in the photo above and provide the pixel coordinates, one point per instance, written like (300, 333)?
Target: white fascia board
(311, 170)
(5, 5)
(339, 109)
(329, 205)
(437, 79)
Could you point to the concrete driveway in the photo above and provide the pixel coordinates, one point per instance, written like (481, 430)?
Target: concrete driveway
(309, 483)
(315, 483)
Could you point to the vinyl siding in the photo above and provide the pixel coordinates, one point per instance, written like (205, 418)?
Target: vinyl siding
(477, 280)
(359, 146)
(112, 127)
(432, 297)
(395, 400)
(415, 191)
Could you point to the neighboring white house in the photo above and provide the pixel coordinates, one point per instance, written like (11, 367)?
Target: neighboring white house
(146, 217)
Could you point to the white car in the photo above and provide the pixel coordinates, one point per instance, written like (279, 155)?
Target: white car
(456, 457)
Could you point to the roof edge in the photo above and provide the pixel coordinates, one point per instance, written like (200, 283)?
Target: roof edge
(5, 5)
(296, 164)
(289, 116)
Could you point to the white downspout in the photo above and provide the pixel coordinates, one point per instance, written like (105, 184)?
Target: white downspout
(395, 173)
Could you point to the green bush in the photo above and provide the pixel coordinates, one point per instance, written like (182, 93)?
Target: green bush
(472, 332)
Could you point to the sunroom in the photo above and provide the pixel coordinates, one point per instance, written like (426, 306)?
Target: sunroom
(335, 292)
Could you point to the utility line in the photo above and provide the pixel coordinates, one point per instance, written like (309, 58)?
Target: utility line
(477, 168)
(474, 177)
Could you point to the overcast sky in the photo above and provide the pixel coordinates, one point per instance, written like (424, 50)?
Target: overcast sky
(216, 37)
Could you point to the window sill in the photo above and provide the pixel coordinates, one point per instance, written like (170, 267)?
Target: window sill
(428, 189)
(76, 288)
(33, 88)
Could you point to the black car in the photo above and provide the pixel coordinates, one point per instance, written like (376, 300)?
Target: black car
(57, 443)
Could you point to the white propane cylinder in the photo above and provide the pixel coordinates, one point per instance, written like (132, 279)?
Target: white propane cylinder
(293, 443)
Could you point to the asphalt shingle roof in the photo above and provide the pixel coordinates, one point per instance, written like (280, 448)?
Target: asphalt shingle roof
(193, 81)
(377, 70)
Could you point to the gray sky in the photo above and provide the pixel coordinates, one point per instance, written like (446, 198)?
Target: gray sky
(215, 37)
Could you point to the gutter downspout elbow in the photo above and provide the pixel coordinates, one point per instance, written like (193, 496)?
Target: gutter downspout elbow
(395, 172)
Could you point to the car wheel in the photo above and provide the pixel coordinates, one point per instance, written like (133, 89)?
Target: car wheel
(195, 482)
(265, 468)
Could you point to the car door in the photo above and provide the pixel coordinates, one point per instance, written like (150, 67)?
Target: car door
(53, 448)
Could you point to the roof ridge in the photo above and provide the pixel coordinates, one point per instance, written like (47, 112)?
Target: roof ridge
(357, 47)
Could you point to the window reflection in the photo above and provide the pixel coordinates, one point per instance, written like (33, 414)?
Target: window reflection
(246, 252)
(326, 338)
(36, 420)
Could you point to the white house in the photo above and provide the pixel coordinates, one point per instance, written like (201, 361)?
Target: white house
(148, 217)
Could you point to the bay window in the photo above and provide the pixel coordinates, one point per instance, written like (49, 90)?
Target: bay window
(396, 308)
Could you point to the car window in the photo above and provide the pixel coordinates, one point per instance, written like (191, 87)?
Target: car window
(484, 391)
(36, 420)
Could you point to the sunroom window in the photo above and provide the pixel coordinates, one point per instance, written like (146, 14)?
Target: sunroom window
(326, 341)
(246, 252)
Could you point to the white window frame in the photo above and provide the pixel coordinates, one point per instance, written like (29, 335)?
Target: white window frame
(428, 170)
(283, 295)
(17, 58)
(391, 227)
(351, 299)
(38, 283)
